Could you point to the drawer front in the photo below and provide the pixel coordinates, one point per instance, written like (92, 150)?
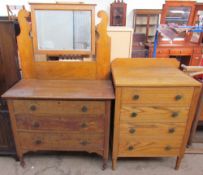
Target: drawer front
(135, 113)
(157, 96)
(162, 56)
(149, 147)
(164, 130)
(55, 141)
(58, 107)
(181, 51)
(162, 51)
(71, 123)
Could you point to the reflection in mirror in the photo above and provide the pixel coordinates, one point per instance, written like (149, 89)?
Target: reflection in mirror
(63, 30)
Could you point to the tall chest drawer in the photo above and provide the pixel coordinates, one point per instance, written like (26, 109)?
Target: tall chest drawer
(157, 130)
(58, 107)
(134, 113)
(148, 146)
(157, 96)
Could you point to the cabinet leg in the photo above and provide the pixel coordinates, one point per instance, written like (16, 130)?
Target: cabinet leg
(16, 157)
(114, 162)
(104, 164)
(178, 161)
(22, 162)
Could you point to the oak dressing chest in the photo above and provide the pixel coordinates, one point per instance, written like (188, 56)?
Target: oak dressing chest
(62, 104)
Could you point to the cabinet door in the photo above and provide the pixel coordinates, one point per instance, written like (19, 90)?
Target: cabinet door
(196, 59)
(8, 56)
(6, 137)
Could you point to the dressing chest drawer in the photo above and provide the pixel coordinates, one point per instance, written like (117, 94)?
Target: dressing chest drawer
(59, 107)
(154, 109)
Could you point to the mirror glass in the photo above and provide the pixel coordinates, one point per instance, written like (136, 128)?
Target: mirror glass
(178, 15)
(61, 30)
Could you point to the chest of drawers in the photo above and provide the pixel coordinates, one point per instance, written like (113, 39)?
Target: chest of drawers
(66, 116)
(155, 105)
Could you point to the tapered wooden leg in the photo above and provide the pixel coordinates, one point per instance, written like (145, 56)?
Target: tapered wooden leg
(22, 162)
(104, 164)
(114, 162)
(178, 161)
(16, 158)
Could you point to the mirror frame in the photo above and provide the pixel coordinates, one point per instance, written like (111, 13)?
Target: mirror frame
(68, 7)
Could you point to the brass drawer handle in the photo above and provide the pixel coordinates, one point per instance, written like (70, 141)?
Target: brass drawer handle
(38, 142)
(35, 125)
(178, 97)
(174, 114)
(84, 143)
(33, 108)
(171, 130)
(132, 130)
(136, 97)
(133, 114)
(130, 148)
(168, 148)
(84, 109)
(84, 125)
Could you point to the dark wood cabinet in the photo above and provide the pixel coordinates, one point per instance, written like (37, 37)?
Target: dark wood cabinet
(118, 13)
(186, 47)
(145, 22)
(9, 75)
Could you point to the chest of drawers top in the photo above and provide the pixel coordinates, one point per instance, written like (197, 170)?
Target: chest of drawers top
(150, 73)
(61, 89)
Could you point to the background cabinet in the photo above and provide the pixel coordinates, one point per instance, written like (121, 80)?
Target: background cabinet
(120, 49)
(145, 22)
(9, 75)
(118, 13)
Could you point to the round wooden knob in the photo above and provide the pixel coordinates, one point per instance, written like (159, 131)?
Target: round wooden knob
(168, 148)
(132, 130)
(84, 143)
(130, 148)
(33, 108)
(136, 97)
(133, 114)
(38, 142)
(178, 97)
(84, 125)
(84, 109)
(171, 130)
(35, 125)
(174, 114)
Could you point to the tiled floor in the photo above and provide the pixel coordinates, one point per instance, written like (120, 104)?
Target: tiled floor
(85, 164)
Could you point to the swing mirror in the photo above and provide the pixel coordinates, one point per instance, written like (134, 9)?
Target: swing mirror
(66, 29)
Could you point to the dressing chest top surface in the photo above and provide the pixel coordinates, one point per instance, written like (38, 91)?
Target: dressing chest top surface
(61, 89)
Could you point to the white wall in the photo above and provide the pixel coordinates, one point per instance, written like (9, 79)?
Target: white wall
(101, 5)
